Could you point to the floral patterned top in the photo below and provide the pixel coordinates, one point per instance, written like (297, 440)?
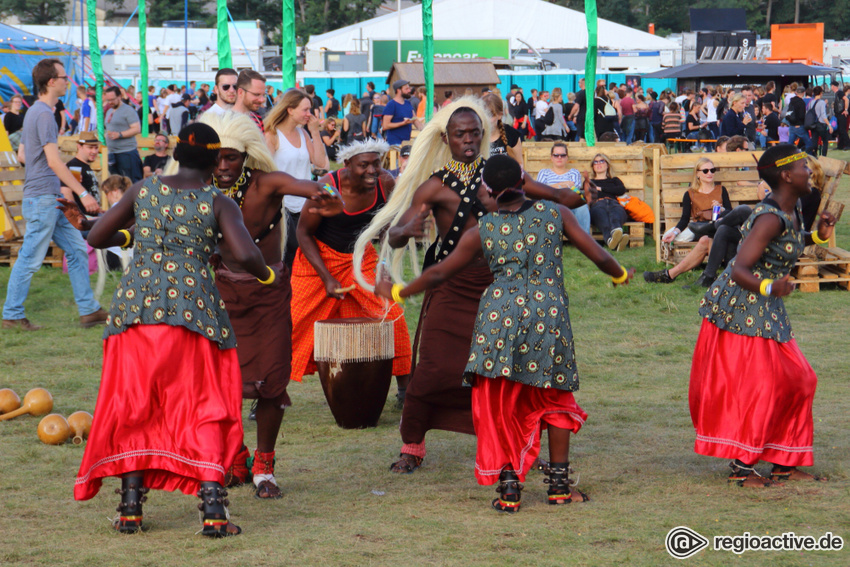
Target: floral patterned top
(523, 329)
(168, 281)
(737, 310)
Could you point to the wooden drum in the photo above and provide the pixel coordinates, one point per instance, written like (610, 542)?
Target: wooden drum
(355, 361)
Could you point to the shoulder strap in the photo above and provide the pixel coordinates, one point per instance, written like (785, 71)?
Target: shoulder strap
(469, 205)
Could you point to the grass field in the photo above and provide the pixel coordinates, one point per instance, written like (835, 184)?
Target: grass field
(342, 506)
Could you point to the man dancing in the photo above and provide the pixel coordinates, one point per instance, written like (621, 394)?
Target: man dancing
(260, 314)
(323, 284)
(452, 143)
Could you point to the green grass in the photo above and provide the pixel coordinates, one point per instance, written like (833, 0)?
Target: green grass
(342, 507)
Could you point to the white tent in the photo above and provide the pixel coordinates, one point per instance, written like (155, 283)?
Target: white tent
(542, 24)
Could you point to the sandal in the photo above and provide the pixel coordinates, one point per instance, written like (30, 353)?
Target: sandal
(216, 519)
(510, 493)
(781, 473)
(406, 464)
(238, 473)
(561, 489)
(129, 520)
(747, 476)
(262, 470)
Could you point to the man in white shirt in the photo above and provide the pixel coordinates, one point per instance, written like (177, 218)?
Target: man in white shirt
(224, 90)
(541, 107)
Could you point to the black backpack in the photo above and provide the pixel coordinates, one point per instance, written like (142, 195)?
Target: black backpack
(549, 118)
(795, 115)
(811, 116)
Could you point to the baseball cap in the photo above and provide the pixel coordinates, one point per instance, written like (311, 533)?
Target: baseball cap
(186, 97)
(405, 151)
(400, 83)
(87, 138)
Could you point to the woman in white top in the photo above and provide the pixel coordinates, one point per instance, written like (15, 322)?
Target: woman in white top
(294, 151)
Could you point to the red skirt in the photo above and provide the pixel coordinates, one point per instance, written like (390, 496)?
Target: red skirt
(170, 405)
(509, 417)
(751, 398)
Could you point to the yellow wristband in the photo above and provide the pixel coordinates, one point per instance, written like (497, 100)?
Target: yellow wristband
(397, 293)
(127, 236)
(765, 287)
(622, 278)
(268, 280)
(816, 239)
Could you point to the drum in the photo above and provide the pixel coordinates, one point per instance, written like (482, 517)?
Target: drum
(355, 361)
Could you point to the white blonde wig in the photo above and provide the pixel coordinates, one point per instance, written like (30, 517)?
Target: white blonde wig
(429, 153)
(379, 147)
(238, 132)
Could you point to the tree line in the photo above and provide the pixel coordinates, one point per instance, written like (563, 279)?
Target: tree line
(319, 16)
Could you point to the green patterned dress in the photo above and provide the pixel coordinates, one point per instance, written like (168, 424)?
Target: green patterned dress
(523, 330)
(168, 281)
(732, 308)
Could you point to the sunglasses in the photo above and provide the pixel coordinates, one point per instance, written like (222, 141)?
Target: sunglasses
(708, 170)
(227, 87)
(599, 162)
(559, 155)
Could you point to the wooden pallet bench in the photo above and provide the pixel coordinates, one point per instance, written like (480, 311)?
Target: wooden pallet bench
(628, 163)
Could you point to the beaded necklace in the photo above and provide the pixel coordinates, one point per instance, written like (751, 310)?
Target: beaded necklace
(464, 171)
(237, 192)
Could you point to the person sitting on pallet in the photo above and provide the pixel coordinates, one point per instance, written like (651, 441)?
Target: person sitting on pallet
(606, 213)
(717, 239)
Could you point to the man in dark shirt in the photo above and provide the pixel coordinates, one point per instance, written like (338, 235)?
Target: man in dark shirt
(750, 109)
(796, 116)
(839, 110)
(88, 149)
(315, 100)
(771, 121)
(155, 162)
(579, 110)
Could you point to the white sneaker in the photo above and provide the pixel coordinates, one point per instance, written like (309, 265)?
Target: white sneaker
(614, 240)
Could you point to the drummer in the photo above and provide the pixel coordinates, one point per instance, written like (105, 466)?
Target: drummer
(323, 284)
(259, 313)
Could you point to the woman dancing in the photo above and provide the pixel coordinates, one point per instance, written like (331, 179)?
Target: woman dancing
(168, 413)
(751, 388)
(521, 365)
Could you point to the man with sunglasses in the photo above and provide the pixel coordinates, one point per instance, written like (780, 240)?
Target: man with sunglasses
(224, 90)
(250, 95)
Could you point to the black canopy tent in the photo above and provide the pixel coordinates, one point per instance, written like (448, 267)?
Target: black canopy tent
(737, 73)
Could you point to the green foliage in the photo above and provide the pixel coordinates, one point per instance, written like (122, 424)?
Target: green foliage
(671, 16)
(36, 13)
(159, 11)
(314, 17)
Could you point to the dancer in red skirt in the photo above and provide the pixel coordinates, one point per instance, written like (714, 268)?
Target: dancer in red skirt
(521, 365)
(168, 413)
(751, 388)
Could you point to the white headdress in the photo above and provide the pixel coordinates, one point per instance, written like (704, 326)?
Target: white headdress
(379, 147)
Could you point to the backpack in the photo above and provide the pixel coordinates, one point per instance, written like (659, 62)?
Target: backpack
(609, 108)
(549, 118)
(811, 119)
(795, 111)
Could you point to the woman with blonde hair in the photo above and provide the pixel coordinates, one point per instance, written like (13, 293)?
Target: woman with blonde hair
(698, 205)
(606, 213)
(294, 152)
(503, 139)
